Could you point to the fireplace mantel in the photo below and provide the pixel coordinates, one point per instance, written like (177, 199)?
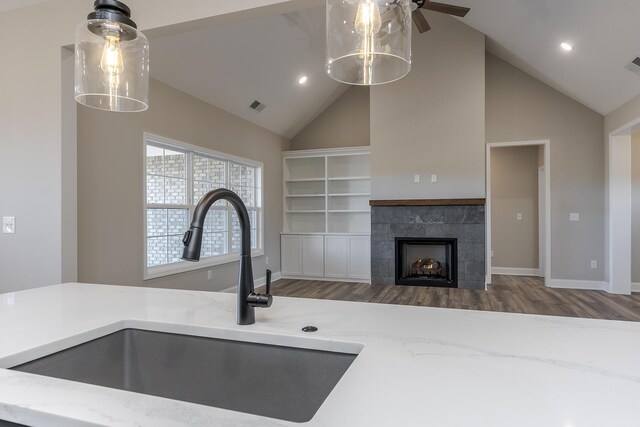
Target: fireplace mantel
(429, 202)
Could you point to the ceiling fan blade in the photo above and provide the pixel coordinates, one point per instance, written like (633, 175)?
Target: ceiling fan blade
(449, 9)
(420, 21)
(393, 14)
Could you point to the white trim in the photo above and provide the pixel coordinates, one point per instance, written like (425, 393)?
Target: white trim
(518, 143)
(628, 129)
(546, 143)
(260, 281)
(327, 152)
(593, 285)
(507, 271)
(184, 266)
(619, 211)
(290, 233)
(174, 143)
(635, 287)
(542, 225)
(328, 279)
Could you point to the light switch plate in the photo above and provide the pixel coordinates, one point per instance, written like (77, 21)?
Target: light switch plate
(434, 178)
(8, 225)
(519, 216)
(416, 178)
(594, 264)
(573, 216)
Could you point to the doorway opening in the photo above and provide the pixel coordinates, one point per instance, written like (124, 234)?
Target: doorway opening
(519, 209)
(618, 263)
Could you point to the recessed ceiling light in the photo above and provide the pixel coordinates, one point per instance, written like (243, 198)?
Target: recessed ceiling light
(566, 47)
(302, 80)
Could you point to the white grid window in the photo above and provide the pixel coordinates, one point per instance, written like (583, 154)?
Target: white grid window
(177, 175)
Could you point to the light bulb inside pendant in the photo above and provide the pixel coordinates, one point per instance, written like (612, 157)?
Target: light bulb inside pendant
(367, 25)
(368, 20)
(112, 60)
(368, 41)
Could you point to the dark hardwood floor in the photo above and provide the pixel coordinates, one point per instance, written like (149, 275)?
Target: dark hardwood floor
(512, 294)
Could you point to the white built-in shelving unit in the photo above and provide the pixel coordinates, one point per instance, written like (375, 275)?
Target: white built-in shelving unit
(327, 214)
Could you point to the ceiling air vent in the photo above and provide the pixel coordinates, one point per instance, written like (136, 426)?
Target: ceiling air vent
(634, 66)
(257, 106)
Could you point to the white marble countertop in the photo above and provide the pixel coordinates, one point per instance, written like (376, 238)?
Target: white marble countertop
(418, 366)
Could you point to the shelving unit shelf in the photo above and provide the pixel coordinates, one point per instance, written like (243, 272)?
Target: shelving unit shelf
(334, 184)
(349, 178)
(327, 217)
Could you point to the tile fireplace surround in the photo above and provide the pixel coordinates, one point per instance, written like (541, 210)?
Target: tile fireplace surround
(460, 219)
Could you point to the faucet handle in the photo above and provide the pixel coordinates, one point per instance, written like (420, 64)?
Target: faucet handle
(262, 300)
(268, 282)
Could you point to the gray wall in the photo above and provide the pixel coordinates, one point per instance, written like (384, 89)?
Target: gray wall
(635, 206)
(514, 189)
(110, 185)
(433, 120)
(345, 123)
(621, 116)
(521, 108)
(33, 123)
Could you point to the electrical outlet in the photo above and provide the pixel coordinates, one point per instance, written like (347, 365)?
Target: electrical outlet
(8, 225)
(416, 178)
(209, 275)
(519, 216)
(434, 178)
(573, 216)
(594, 264)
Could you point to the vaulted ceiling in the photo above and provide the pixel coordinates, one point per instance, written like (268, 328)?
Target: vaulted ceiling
(605, 35)
(232, 65)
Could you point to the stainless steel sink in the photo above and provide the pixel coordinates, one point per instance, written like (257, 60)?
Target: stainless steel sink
(273, 381)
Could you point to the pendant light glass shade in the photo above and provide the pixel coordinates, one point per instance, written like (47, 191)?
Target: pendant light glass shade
(368, 41)
(112, 61)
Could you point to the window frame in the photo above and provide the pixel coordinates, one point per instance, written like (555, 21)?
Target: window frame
(190, 150)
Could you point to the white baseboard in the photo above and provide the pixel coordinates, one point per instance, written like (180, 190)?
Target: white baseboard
(516, 271)
(328, 279)
(260, 281)
(635, 287)
(593, 285)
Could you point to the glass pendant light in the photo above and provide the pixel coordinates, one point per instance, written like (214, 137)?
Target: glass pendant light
(368, 41)
(112, 60)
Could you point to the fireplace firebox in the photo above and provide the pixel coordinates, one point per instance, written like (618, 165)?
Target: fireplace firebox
(427, 262)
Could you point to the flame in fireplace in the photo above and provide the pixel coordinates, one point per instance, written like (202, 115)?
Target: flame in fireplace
(427, 267)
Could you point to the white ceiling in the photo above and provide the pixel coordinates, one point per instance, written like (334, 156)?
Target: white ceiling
(263, 59)
(6, 5)
(604, 33)
(231, 66)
